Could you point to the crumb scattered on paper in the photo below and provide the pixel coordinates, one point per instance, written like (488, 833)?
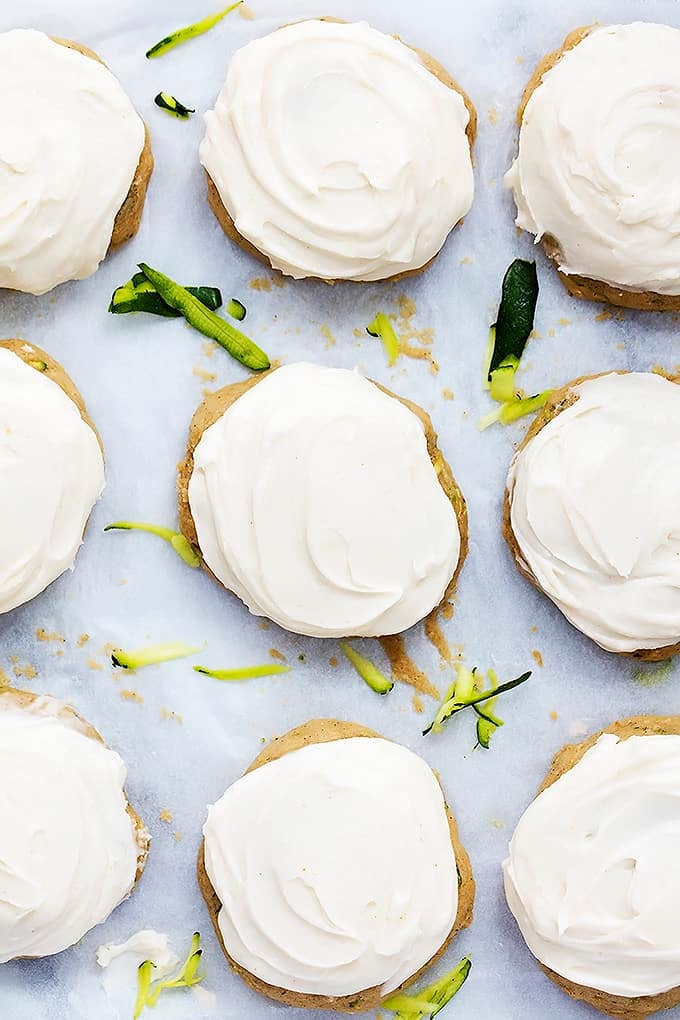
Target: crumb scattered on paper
(204, 376)
(537, 656)
(44, 635)
(328, 336)
(128, 695)
(82, 640)
(274, 653)
(167, 713)
(447, 393)
(165, 815)
(417, 704)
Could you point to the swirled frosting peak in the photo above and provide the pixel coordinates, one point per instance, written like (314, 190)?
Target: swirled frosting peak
(68, 848)
(70, 142)
(334, 867)
(316, 502)
(51, 475)
(595, 510)
(598, 149)
(592, 873)
(337, 153)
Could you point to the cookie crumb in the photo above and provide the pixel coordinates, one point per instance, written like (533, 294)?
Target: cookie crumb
(165, 815)
(44, 635)
(274, 653)
(537, 656)
(417, 704)
(82, 640)
(128, 695)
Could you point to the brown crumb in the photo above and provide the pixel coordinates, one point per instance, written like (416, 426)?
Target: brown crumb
(165, 815)
(538, 657)
(266, 282)
(204, 376)
(554, 715)
(93, 664)
(209, 348)
(404, 668)
(564, 322)
(604, 315)
(534, 630)
(26, 671)
(4, 679)
(417, 704)
(82, 640)
(167, 713)
(333, 661)
(59, 654)
(178, 837)
(274, 653)
(447, 610)
(359, 332)
(264, 624)
(128, 695)
(447, 393)
(328, 336)
(44, 635)
(467, 261)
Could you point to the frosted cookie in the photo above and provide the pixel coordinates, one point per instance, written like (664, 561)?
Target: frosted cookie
(321, 917)
(74, 166)
(340, 153)
(592, 510)
(591, 875)
(51, 471)
(71, 846)
(594, 179)
(323, 502)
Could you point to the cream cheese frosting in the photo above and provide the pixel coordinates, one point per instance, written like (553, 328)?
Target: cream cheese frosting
(315, 501)
(70, 142)
(598, 146)
(595, 510)
(51, 475)
(334, 867)
(592, 876)
(68, 847)
(337, 153)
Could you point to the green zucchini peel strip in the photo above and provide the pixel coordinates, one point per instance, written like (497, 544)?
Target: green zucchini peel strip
(368, 672)
(383, 328)
(139, 295)
(244, 673)
(515, 409)
(187, 976)
(152, 655)
(182, 546)
(241, 347)
(173, 106)
(143, 987)
(181, 35)
(465, 693)
(429, 1001)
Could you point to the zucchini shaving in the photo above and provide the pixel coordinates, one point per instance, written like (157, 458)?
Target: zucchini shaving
(139, 295)
(383, 328)
(173, 106)
(236, 309)
(187, 976)
(152, 655)
(429, 1001)
(465, 692)
(241, 347)
(38, 364)
(515, 409)
(369, 673)
(189, 32)
(182, 546)
(487, 721)
(245, 673)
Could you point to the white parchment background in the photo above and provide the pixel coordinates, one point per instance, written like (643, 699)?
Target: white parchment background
(137, 376)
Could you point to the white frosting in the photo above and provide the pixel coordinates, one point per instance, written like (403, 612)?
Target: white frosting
(337, 153)
(592, 875)
(51, 474)
(70, 142)
(146, 944)
(598, 148)
(68, 847)
(316, 502)
(595, 510)
(334, 867)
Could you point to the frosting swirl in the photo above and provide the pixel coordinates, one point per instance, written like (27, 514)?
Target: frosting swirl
(70, 142)
(595, 510)
(51, 475)
(307, 903)
(294, 492)
(337, 153)
(596, 163)
(592, 876)
(68, 847)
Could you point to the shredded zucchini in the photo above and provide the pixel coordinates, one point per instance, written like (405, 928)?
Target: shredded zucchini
(190, 31)
(182, 546)
(244, 673)
(140, 295)
(383, 328)
(173, 106)
(143, 987)
(369, 673)
(186, 977)
(431, 1000)
(152, 655)
(465, 693)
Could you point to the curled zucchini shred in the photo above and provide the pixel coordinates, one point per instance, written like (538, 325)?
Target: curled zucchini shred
(188, 975)
(152, 655)
(383, 328)
(431, 1000)
(175, 539)
(181, 35)
(243, 673)
(466, 691)
(368, 672)
(173, 106)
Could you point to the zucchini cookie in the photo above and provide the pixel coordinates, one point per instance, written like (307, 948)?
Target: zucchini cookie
(72, 848)
(592, 509)
(51, 471)
(337, 152)
(356, 880)
(591, 875)
(323, 502)
(75, 162)
(594, 179)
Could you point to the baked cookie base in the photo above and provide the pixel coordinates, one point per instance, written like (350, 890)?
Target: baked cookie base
(612, 1005)
(557, 402)
(584, 287)
(229, 227)
(215, 404)
(320, 731)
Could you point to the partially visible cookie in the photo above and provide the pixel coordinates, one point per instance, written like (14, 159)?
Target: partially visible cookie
(290, 487)
(81, 156)
(67, 831)
(591, 506)
(355, 176)
(591, 871)
(592, 179)
(51, 471)
(329, 797)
